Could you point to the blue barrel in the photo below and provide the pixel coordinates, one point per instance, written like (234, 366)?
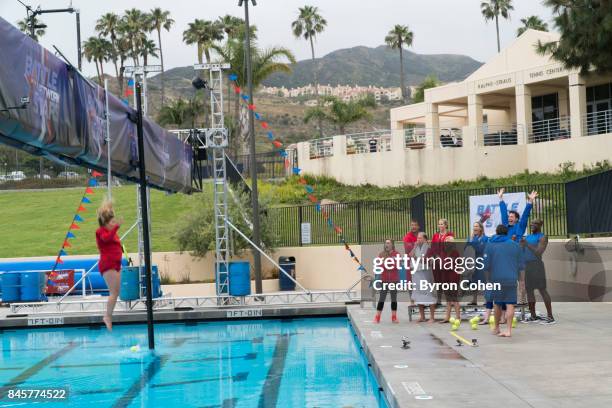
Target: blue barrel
(130, 283)
(32, 286)
(239, 279)
(10, 287)
(156, 282)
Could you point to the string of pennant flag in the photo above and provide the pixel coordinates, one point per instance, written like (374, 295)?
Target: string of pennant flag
(309, 189)
(74, 224)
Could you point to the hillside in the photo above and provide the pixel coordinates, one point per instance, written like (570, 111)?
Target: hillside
(376, 66)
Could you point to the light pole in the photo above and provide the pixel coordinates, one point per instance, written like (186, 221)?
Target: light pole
(252, 149)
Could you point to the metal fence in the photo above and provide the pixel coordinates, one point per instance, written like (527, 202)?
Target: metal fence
(374, 221)
(550, 129)
(270, 165)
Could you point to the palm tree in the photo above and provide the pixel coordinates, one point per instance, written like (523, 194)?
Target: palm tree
(431, 81)
(398, 38)
(175, 113)
(308, 24)
(161, 19)
(264, 63)
(99, 50)
(24, 26)
(340, 113)
(148, 49)
(492, 9)
(230, 25)
(532, 22)
(204, 34)
(122, 51)
(135, 25)
(107, 26)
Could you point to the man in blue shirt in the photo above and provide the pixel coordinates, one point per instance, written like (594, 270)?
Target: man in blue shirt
(503, 262)
(516, 223)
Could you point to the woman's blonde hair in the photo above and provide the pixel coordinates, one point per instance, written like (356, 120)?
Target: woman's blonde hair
(105, 213)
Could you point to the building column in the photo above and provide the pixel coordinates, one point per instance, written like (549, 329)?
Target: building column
(577, 103)
(523, 113)
(432, 126)
(474, 136)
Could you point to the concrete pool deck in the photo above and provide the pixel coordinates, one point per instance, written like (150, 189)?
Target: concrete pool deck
(564, 365)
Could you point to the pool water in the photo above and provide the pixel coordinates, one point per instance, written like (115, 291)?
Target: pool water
(302, 362)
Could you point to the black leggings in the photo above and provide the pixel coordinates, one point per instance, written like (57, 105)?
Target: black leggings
(383, 296)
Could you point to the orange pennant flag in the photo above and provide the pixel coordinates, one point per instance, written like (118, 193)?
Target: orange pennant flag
(96, 174)
(59, 261)
(312, 198)
(264, 125)
(66, 244)
(302, 180)
(277, 144)
(74, 226)
(81, 209)
(88, 190)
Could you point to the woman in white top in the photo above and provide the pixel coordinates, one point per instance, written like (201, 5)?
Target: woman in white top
(424, 297)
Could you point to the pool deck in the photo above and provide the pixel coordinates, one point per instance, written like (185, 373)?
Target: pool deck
(564, 365)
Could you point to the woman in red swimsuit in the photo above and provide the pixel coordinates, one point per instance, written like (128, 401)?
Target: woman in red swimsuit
(437, 250)
(111, 253)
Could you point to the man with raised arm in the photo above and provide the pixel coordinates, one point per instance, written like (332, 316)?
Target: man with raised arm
(516, 223)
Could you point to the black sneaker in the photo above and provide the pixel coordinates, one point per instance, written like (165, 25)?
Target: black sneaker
(548, 321)
(530, 319)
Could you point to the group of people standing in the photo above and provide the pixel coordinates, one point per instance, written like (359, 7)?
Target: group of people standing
(511, 260)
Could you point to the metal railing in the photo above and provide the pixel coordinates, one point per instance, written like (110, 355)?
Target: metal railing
(549, 130)
(321, 147)
(451, 137)
(597, 123)
(369, 142)
(415, 138)
(502, 135)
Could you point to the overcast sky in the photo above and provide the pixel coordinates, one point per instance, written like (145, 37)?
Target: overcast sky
(439, 26)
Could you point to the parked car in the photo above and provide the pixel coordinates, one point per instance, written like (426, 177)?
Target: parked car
(44, 177)
(69, 175)
(16, 176)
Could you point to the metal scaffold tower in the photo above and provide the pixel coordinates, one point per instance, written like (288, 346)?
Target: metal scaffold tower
(216, 138)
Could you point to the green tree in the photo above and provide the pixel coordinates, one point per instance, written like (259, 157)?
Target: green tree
(161, 19)
(308, 25)
(24, 26)
(230, 25)
(398, 38)
(430, 82)
(148, 49)
(532, 22)
(181, 113)
(341, 114)
(134, 26)
(586, 34)
(204, 34)
(98, 50)
(107, 26)
(492, 9)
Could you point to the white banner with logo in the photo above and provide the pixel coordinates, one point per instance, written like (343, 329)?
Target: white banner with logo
(489, 205)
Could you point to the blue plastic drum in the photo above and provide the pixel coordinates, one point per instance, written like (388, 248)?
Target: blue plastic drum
(11, 288)
(32, 286)
(130, 283)
(239, 279)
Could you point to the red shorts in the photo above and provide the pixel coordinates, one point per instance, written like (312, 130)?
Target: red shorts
(108, 264)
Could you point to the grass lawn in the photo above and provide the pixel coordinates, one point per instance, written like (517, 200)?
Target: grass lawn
(36, 222)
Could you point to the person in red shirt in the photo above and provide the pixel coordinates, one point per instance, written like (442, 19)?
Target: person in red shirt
(109, 246)
(451, 276)
(410, 238)
(437, 250)
(389, 275)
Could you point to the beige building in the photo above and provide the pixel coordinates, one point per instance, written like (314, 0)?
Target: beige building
(521, 110)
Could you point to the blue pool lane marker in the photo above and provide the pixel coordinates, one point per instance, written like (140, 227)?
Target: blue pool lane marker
(141, 382)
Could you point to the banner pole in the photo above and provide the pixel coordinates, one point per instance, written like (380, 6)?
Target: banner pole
(108, 142)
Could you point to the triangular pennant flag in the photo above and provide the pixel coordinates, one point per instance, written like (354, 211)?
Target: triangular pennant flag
(338, 230)
(62, 253)
(130, 82)
(330, 222)
(309, 189)
(93, 182)
(277, 144)
(302, 180)
(361, 268)
(296, 170)
(78, 218)
(236, 89)
(86, 200)
(312, 198)
(283, 153)
(96, 174)
(74, 226)
(233, 77)
(88, 190)
(251, 107)
(81, 209)
(66, 244)
(270, 135)
(245, 97)
(70, 235)
(257, 116)
(59, 261)
(318, 207)
(264, 125)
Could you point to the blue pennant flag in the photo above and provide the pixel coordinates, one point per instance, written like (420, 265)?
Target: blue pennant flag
(352, 253)
(283, 153)
(318, 207)
(233, 77)
(296, 170)
(130, 82)
(330, 222)
(93, 182)
(125, 102)
(361, 268)
(270, 136)
(257, 116)
(309, 189)
(86, 200)
(78, 218)
(245, 97)
(70, 235)
(63, 253)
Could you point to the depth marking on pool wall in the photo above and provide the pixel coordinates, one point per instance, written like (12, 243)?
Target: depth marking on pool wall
(269, 394)
(25, 375)
(245, 313)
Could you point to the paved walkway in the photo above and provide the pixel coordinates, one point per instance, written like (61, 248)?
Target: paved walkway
(565, 365)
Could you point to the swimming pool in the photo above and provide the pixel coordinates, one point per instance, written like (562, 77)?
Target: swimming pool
(301, 362)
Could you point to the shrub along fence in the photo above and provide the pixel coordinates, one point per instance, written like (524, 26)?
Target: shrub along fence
(365, 222)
